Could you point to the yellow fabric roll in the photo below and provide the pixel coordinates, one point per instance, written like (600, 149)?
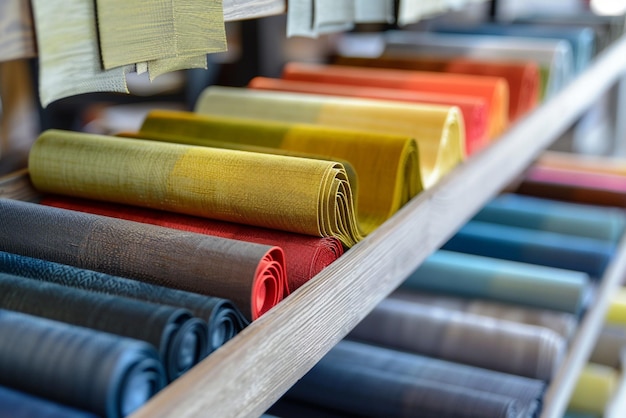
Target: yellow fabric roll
(616, 314)
(294, 194)
(438, 130)
(594, 389)
(387, 166)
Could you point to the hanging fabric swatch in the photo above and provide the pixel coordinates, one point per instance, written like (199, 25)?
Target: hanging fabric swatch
(223, 319)
(15, 404)
(300, 18)
(288, 193)
(333, 16)
(493, 90)
(412, 11)
(437, 129)
(16, 30)
(305, 256)
(181, 339)
(98, 372)
(251, 275)
(374, 11)
(594, 389)
(387, 166)
(473, 109)
(69, 56)
(506, 281)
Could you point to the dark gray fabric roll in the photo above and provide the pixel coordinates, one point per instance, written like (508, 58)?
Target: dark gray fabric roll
(15, 404)
(223, 318)
(180, 338)
(98, 372)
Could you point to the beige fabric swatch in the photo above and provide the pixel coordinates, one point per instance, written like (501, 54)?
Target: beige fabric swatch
(69, 58)
(166, 65)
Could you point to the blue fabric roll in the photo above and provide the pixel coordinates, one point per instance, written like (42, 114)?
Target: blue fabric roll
(102, 373)
(502, 280)
(14, 404)
(553, 216)
(224, 320)
(550, 249)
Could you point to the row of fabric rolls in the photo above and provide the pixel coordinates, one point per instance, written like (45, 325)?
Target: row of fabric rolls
(166, 242)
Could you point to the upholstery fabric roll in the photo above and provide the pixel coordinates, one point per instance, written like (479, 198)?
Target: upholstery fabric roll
(353, 377)
(562, 323)
(493, 90)
(616, 313)
(249, 274)
(387, 166)
(98, 372)
(181, 339)
(554, 216)
(610, 347)
(15, 404)
(522, 76)
(500, 280)
(462, 337)
(224, 320)
(582, 162)
(287, 193)
(535, 247)
(473, 109)
(305, 256)
(594, 389)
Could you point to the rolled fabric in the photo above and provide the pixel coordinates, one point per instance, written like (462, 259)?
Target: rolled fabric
(500, 280)
(223, 318)
(522, 76)
(15, 404)
(387, 166)
(305, 256)
(98, 372)
(554, 216)
(288, 193)
(181, 339)
(373, 381)
(582, 162)
(610, 347)
(249, 274)
(616, 313)
(493, 90)
(562, 323)
(476, 340)
(594, 389)
(473, 109)
(544, 248)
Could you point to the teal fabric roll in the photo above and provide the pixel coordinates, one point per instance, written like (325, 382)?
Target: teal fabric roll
(501, 280)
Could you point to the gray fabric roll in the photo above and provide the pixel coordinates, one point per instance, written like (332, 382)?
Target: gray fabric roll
(610, 347)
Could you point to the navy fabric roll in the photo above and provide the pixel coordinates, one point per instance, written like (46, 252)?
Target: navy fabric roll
(180, 338)
(98, 372)
(223, 318)
(535, 247)
(15, 404)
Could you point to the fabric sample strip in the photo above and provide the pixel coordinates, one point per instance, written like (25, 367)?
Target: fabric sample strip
(300, 18)
(94, 371)
(251, 275)
(224, 320)
(333, 15)
(15, 404)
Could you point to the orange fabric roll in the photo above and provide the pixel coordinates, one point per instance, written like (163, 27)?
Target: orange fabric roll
(522, 76)
(494, 90)
(474, 109)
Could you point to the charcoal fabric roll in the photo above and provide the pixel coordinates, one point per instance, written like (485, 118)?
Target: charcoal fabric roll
(501, 280)
(251, 275)
(476, 340)
(180, 338)
(94, 371)
(16, 404)
(554, 216)
(359, 363)
(223, 318)
(544, 248)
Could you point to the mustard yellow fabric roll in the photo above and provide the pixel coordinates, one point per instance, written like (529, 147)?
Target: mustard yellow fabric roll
(616, 314)
(387, 166)
(288, 193)
(438, 130)
(594, 389)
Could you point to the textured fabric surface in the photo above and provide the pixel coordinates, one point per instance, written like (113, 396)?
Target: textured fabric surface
(594, 389)
(287, 193)
(438, 129)
(469, 275)
(181, 339)
(98, 372)
(251, 275)
(69, 56)
(305, 256)
(493, 90)
(224, 320)
(387, 166)
(495, 344)
(15, 404)
(367, 380)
